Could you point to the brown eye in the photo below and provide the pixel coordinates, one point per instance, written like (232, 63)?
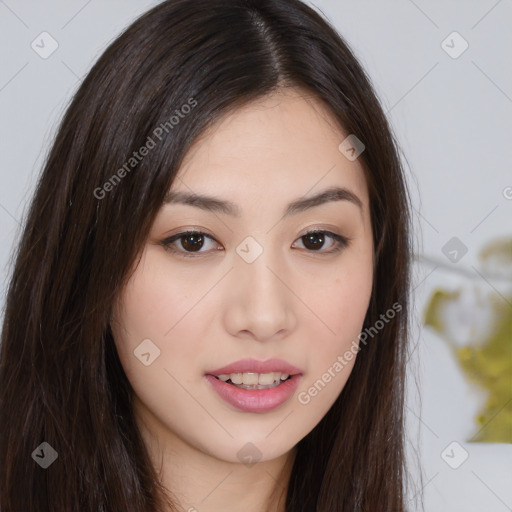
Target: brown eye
(314, 241)
(190, 243)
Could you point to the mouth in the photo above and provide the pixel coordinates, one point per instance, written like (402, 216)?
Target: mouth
(251, 380)
(255, 374)
(255, 386)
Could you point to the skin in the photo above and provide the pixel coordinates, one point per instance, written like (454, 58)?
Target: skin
(213, 308)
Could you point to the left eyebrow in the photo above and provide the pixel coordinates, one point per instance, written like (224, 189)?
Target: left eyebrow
(214, 204)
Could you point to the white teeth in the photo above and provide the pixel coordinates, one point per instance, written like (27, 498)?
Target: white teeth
(236, 378)
(265, 379)
(249, 379)
(253, 379)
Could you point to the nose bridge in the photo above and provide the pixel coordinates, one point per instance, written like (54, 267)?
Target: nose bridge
(257, 266)
(261, 299)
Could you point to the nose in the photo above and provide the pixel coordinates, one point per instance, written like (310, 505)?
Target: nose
(260, 305)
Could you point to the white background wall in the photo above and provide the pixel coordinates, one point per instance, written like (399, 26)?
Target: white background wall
(452, 116)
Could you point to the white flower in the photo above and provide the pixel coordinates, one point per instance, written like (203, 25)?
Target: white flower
(469, 316)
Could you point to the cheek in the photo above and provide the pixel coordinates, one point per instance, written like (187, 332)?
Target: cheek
(338, 309)
(338, 302)
(152, 313)
(160, 313)
(157, 299)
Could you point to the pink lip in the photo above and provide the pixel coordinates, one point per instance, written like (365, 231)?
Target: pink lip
(255, 366)
(255, 400)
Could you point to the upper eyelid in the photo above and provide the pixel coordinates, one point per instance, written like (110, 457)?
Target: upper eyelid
(187, 231)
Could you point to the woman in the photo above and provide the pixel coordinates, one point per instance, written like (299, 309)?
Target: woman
(209, 303)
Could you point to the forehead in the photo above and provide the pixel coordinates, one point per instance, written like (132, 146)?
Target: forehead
(285, 144)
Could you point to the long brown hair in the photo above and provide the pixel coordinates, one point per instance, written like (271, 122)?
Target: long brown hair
(61, 381)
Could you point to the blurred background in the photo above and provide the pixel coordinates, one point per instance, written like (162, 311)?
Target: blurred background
(442, 72)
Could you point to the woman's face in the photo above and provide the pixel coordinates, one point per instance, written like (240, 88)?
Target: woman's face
(250, 285)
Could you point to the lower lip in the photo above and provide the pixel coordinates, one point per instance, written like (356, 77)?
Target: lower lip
(255, 400)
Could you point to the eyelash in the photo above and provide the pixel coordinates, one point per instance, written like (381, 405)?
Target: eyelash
(341, 242)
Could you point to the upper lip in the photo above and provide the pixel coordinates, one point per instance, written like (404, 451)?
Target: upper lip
(255, 366)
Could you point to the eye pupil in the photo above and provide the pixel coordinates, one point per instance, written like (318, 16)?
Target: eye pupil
(316, 239)
(197, 241)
